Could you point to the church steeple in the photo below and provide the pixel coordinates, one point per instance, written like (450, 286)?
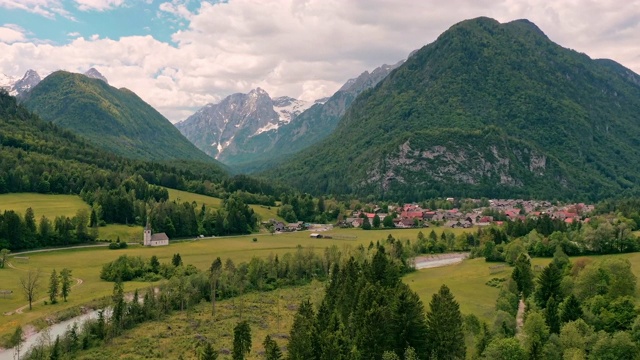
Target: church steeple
(146, 240)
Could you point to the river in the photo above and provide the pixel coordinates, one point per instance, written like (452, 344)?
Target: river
(54, 330)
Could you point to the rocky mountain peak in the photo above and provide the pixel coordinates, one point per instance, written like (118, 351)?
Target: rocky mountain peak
(26, 83)
(95, 74)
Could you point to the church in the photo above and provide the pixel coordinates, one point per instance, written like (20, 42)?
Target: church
(160, 239)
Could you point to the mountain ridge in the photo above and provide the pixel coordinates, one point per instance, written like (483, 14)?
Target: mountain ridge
(504, 86)
(115, 119)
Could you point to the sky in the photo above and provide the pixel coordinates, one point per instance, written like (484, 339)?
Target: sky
(179, 55)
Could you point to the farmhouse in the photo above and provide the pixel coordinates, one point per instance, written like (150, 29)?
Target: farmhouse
(160, 239)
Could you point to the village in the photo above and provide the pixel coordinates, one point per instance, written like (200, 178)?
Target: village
(413, 215)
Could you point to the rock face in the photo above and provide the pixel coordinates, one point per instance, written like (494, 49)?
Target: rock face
(220, 129)
(250, 131)
(488, 109)
(95, 74)
(20, 87)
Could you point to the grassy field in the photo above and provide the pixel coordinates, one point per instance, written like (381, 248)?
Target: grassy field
(181, 334)
(264, 212)
(87, 263)
(128, 233)
(48, 205)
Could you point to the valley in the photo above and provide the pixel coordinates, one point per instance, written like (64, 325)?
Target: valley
(478, 199)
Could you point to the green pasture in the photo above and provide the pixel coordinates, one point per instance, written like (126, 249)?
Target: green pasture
(264, 212)
(127, 233)
(48, 205)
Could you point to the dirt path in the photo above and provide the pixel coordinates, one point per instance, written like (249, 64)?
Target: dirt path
(520, 317)
(58, 249)
(21, 309)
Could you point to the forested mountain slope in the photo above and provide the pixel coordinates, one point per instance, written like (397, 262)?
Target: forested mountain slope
(39, 156)
(488, 109)
(116, 120)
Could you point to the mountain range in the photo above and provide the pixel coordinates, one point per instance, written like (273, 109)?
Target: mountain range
(253, 131)
(488, 109)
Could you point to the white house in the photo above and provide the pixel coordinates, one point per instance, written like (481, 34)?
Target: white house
(160, 239)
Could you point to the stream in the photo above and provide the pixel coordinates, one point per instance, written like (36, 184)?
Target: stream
(54, 330)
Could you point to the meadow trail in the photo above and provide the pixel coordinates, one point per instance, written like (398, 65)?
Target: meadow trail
(520, 317)
(21, 309)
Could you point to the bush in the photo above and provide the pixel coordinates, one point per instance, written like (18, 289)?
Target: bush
(255, 239)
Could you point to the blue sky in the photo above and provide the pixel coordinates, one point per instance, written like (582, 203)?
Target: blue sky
(131, 18)
(179, 55)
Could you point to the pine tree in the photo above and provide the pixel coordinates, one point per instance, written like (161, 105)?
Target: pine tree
(65, 283)
(376, 221)
(55, 350)
(409, 323)
(271, 349)
(302, 336)
(523, 275)
(483, 339)
(53, 287)
(444, 323)
(548, 285)
(208, 353)
(366, 225)
(536, 335)
(176, 260)
(571, 309)
(551, 316)
(241, 340)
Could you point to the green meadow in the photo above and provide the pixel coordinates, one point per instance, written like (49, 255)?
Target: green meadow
(264, 212)
(48, 205)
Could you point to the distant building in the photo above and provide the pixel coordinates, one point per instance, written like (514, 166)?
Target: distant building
(159, 239)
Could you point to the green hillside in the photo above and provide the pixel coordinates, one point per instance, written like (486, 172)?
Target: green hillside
(113, 119)
(488, 109)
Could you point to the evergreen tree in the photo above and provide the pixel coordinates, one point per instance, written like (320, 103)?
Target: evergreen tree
(53, 287)
(65, 283)
(571, 309)
(548, 285)
(551, 316)
(241, 340)
(271, 349)
(17, 340)
(56, 351)
(444, 323)
(118, 313)
(208, 353)
(302, 335)
(376, 222)
(176, 260)
(409, 326)
(523, 275)
(366, 225)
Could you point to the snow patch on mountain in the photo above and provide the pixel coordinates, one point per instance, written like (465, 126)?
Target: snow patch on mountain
(288, 108)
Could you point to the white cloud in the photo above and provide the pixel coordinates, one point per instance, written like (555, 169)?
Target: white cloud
(46, 8)
(306, 48)
(98, 5)
(176, 8)
(10, 33)
(73, 34)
